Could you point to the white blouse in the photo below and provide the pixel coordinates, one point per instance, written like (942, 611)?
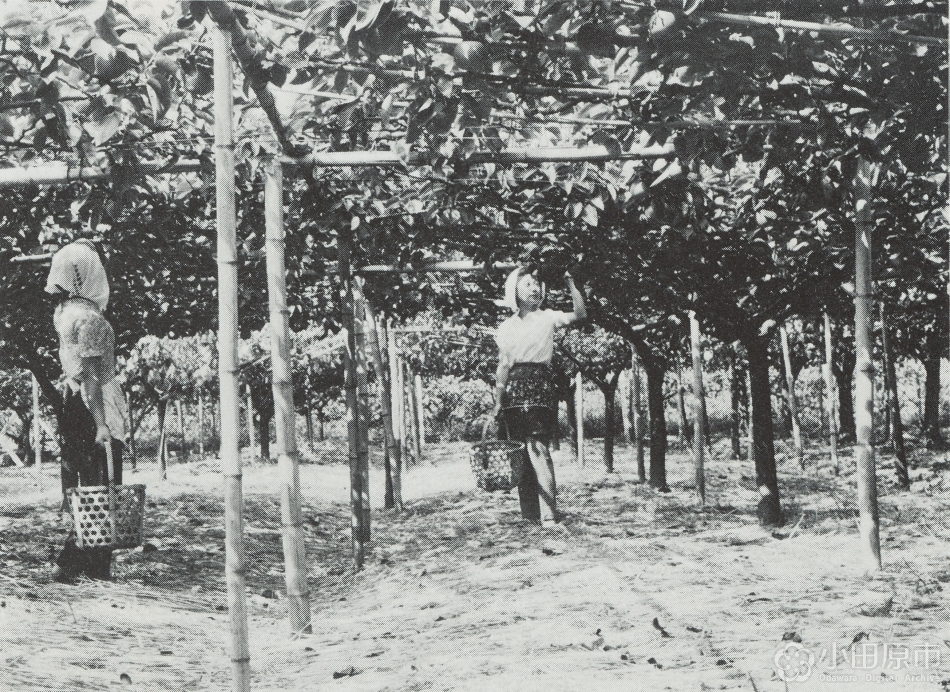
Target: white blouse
(530, 340)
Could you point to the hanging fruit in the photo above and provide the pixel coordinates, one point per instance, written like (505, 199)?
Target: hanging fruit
(472, 56)
(662, 24)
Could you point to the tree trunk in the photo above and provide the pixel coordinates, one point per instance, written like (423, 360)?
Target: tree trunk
(893, 404)
(624, 389)
(844, 376)
(308, 414)
(931, 429)
(322, 420)
(735, 400)
(250, 424)
(699, 408)
(637, 420)
(830, 396)
(162, 441)
(610, 409)
(572, 417)
(654, 373)
(264, 432)
(763, 446)
(790, 398)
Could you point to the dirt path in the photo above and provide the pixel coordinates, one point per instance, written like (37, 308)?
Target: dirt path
(641, 591)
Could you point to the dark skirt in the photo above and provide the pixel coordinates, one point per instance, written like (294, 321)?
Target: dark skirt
(529, 407)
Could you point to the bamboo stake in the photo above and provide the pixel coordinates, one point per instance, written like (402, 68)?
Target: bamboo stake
(626, 397)
(868, 521)
(37, 434)
(831, 397)
(792, 402)
(163, 439)
(579, 415)
(362, 400)
(201, 423)
(699, 407)
(419, 416)
(358, 545)
(181, 429)
(406, 413)
(295, 551)
(396, 410)
(227, 361)
(385, 397)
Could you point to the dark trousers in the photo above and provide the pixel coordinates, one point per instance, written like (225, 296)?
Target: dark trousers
(83, 463)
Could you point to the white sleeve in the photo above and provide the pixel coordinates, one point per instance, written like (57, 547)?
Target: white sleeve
(559, 318)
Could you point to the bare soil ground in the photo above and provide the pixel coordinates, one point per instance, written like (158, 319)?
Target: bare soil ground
(640, 591)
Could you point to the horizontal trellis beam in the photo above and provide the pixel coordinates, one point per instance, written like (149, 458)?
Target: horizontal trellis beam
(59, 173)
(454, 266)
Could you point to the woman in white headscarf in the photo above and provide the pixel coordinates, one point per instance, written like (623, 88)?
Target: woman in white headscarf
(525, 395)
(94, 408)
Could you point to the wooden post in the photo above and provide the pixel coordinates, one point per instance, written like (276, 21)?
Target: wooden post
(830, 396)
(637, 419)
(357, 534)
(250, 423)
(385, 401)
(295, 551)
(419, 416)
(579, 415)
(37, 434)
(397, 457)
(792, 401)
(868, 522)
(699, 407)
(227, 361)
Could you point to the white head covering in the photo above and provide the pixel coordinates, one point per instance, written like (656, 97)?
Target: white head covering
(511, 290)
(78, 269)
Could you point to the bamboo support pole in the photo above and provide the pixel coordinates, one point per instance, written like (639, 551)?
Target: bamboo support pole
(385, 399)
(792, 401)
(419, 416)
(837, 29)
(295, 551)
(868, 521)
(894, 406)
(699, 408)
(357, 542)
(201, 423)
(228, 361)
(831, 397)
(181, 430)
(37, 434)
(362, 400)
(396, 409)
(579, 416)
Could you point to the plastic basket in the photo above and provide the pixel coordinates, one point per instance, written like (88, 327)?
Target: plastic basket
(97, 527)
(497, 464)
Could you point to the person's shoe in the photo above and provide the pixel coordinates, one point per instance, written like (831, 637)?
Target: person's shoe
(60, 576)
